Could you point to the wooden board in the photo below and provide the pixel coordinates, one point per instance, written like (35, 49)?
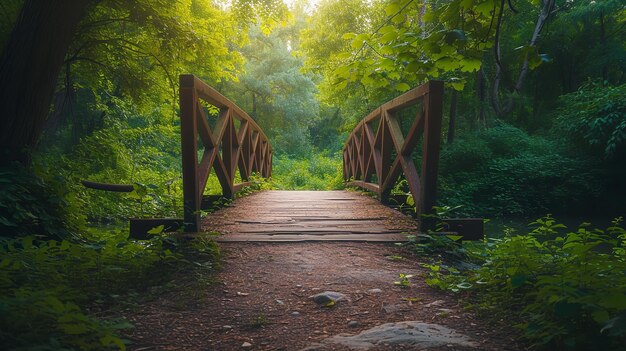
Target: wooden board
(286, 216)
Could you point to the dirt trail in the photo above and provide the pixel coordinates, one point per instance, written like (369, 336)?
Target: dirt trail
(259, 300)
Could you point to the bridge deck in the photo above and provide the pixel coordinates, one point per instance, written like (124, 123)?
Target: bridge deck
(309, 216)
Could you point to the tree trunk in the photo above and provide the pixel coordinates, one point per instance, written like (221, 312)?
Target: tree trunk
(605, 66)
(29, 70)
(254, 105)
(452, 121)
(506, 108)
(481, 91)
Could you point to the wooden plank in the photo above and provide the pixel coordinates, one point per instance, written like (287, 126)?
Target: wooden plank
(390, 238)
(277, 216)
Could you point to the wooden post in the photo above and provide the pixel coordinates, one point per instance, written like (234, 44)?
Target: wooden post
(433, 109)
(189, 151)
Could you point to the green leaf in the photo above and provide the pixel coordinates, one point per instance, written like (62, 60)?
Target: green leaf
(458, 86)
(403, 87)
(447, 63)
(470, 65)
(391, 36)
(392, 9)
(455, 237)
(387, 29)
(412, 67)
(74, 329)
(157, 230)
(617, 301)
(485, 8)
(359, 40)
(600, 316)
(466, 4)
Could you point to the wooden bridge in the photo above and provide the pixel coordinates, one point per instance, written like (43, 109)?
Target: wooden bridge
(219, 136)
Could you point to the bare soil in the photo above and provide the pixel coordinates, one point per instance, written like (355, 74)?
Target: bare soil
(260, 287)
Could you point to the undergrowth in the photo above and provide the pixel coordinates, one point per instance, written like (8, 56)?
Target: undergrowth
(319, 172)
(566, 289)
(50, 289)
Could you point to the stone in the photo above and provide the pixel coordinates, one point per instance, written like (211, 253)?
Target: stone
(435, 303)
(375, 291)
(280, 302)
(403, 334)
(394, 308)
(327, 298)
(315, 347)
(295, 313)
(353, 324)
(228, 327)
(246, 345)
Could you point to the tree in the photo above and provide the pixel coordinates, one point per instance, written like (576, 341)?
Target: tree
(531, 57)
(29, 69)
(278, 95)
(37, 51)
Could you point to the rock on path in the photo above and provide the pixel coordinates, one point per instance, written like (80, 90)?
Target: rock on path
(410, 333)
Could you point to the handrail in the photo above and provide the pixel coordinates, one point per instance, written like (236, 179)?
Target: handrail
(367, 152)
(226, 146)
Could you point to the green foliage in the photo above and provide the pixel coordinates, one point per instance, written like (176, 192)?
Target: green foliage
(31, 205)
(46, 285)
(275, 92)
(567, 286)
(146, 156)
(596, 116)
(404, 281)
(318, 172)
(503, 171)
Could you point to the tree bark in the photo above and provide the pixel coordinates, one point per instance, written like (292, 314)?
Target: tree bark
(605, 66)
(481, 92)
(506, 108)
(29, 70)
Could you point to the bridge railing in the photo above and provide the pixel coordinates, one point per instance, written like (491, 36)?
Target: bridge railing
(234, 142)
(378, 147)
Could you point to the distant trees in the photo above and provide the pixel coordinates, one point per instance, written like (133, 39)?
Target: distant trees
(275, 91)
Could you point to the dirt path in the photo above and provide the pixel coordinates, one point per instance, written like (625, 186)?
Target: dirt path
(260, 301)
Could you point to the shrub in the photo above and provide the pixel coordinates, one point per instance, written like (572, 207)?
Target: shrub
(319, 172)
(47, 285)
(31, 205)
(503, 172)
(595, 115)
(564, 288)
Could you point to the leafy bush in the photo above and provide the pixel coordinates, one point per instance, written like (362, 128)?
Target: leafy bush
(565, 289)
(46, 285)
(319, 172)
(595, 115)
(146, 156)
(29, 204)
(503, 171)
